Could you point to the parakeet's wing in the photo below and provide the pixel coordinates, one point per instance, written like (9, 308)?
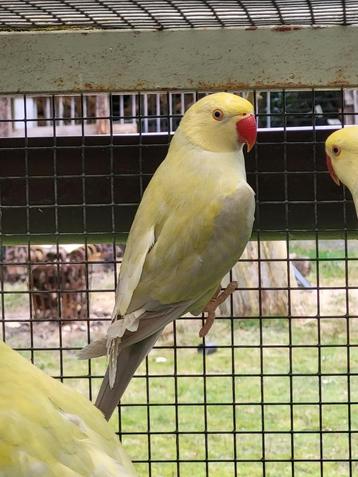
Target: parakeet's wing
(140, 241)
(196, 246)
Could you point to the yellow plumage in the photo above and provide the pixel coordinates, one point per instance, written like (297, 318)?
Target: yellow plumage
(50, 430)
(342, 158)
(192, 225)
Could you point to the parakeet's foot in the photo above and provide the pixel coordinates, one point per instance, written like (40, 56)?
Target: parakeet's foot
(210, 308)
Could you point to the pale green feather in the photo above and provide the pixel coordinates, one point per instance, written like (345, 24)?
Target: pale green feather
(50, 430)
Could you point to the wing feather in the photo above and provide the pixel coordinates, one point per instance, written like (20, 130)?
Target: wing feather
(134, 257)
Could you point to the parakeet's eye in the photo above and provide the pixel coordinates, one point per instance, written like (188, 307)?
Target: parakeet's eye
(218, 115)
(336, 150)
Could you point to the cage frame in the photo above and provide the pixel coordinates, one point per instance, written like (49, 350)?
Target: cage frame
(225, 58)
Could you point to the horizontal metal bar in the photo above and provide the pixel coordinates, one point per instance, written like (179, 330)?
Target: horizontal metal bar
(215, 59)
(235, 432)
(185, 347)
(258, 460)
(246, 318)
(103, 290)
(33, 263)
(232, 375)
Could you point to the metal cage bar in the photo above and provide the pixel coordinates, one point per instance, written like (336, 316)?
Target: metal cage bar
(235, 58)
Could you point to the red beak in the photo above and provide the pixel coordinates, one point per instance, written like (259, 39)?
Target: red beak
(247, 131)
(331, 170)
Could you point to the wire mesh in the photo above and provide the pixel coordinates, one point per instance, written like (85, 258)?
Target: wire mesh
(165, 14)
(273, 390)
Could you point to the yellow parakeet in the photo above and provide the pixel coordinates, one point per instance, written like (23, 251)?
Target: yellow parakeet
(191, 226)
(50, 430)
(342, 159)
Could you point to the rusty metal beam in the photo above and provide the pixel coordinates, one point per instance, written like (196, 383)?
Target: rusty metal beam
(90, 60)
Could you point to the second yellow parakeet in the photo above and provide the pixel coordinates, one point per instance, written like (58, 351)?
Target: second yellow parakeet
(342, 159)
(50, 430)
(191, 226)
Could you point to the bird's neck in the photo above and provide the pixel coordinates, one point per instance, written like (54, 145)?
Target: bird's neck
(348, 175)
(354, 191)
(228, 166)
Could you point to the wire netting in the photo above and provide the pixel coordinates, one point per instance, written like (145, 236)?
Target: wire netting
(164, 14)
(273, 390)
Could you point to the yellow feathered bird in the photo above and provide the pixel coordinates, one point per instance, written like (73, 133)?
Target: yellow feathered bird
(192, 225)
(342, 159)
(50, 430)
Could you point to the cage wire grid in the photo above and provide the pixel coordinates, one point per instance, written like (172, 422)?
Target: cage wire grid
(167, 14)
(278, 395)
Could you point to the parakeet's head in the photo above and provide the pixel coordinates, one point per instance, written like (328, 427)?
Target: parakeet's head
(342, 159)
(220, 122)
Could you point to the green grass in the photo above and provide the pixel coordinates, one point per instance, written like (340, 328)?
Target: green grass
(12, 301)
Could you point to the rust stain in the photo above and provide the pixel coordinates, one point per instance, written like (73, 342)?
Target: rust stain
(286, 28)
(105, 87)
(59, 82)
(90, 86)
(200, 85)
(259, 84)
(207, 85)
(289, 81)
(61, 86)
(339, 82)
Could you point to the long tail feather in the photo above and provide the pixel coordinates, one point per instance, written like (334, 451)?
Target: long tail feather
(130, 351)
(127, 364)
